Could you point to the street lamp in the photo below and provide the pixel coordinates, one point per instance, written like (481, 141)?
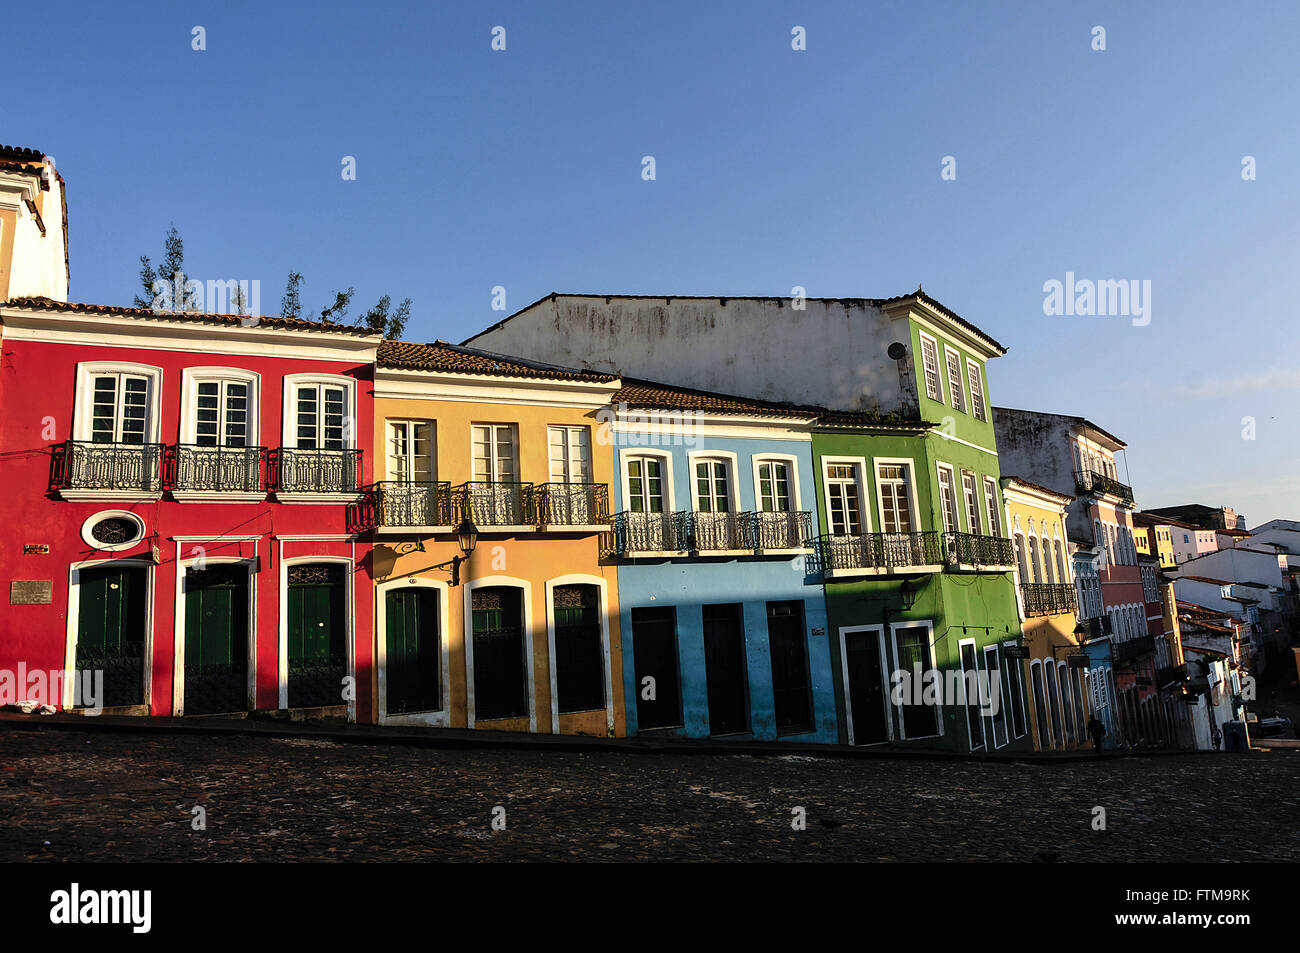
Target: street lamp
(467, 536)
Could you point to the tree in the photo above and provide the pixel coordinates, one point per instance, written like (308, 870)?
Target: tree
(172, 271)
(291, 303)
(377, 319)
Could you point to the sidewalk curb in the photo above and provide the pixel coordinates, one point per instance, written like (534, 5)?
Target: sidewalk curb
(466, 739)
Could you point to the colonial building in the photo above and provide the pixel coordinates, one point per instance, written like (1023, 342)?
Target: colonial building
(493, 607)
(721, 609)
(1056, 670)
(1070, 454)
(910, 543)
(177, 486)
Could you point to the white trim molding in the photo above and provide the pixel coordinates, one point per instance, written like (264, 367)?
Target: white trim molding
(602, 586)
(440, 718)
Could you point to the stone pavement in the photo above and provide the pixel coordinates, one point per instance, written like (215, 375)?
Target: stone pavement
(71, 794)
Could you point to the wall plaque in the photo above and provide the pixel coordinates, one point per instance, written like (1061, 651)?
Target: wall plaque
(31, 592)
(36, 549)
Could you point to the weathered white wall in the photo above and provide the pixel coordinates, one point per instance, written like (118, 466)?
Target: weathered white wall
(38, 266)
(1037, 447)
(756, 347)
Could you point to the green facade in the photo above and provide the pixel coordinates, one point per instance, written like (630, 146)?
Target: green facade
(955, 601)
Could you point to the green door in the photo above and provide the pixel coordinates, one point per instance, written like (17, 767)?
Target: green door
(317, 649)
(216, 640)
(413, 652)
(111, 632)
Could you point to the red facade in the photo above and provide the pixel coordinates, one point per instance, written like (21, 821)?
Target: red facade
(126, 497)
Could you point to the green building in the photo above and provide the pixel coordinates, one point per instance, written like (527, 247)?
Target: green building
(915, 558)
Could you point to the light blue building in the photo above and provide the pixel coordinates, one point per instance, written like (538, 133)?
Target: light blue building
(723, 617)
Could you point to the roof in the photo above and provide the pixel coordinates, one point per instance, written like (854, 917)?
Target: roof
(918, 294)
(450, 359)
(1078, 421)
(653, 395)
(1007, 477)
(196, 317)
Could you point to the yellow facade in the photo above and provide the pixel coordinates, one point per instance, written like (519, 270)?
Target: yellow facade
(528, 559)
(1057, 695)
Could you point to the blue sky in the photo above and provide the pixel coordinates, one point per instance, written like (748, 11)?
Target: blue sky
(775, 168)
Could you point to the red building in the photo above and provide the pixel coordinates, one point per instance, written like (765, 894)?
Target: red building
(180, 490)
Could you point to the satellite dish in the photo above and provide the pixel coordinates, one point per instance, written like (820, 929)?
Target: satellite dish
(898, 350)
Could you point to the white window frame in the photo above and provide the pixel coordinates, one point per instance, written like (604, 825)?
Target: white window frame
(975, 384)
(192, 377)
(939, 371)
(864, 504)
(910, 463)
(388, 452)
(627, 454)
(789, 460)
(928, 625)
(728, 461)
(971, 503)
(991, 506)
(960, 392)
(965, 701)
(495, 458)
(289, 413)
(567, 430)
(83, 406)
(1012, 698)
(938, 493)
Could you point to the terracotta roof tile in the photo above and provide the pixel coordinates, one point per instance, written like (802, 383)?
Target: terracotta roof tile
(448, 358)
(651, 395)
(197, 317)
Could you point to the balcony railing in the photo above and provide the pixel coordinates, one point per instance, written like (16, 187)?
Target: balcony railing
(573, 504)
(315, 471)
(880, 552)
(779, 530)
(649, 532)
(87, 465)
(496, 504)
(1047, 598)
(706, 532)
(970, 549)
(1133, 648)
(415, 503)
(233, 469)
(1090, 481)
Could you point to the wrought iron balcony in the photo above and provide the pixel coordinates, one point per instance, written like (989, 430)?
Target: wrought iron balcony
(1130, 649)
(315, 471)
(710, 532)
(414, 503)
(649, 533)
(234, 469)
(496, 504)
(779, 530)
(1090, 481)
(1047, 598)
(971, 549)
(86, 465)
(879, 552)
(573, 504)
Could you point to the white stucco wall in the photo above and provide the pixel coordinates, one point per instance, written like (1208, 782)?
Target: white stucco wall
(756, 347)
(38, 266)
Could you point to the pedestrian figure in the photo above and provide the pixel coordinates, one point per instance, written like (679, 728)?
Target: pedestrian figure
(1098, 731)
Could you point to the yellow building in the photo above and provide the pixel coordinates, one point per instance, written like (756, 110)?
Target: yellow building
(509, 458)
(1154, 537)
(1056, 686)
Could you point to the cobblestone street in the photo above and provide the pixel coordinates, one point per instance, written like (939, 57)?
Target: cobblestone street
(72, 795)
